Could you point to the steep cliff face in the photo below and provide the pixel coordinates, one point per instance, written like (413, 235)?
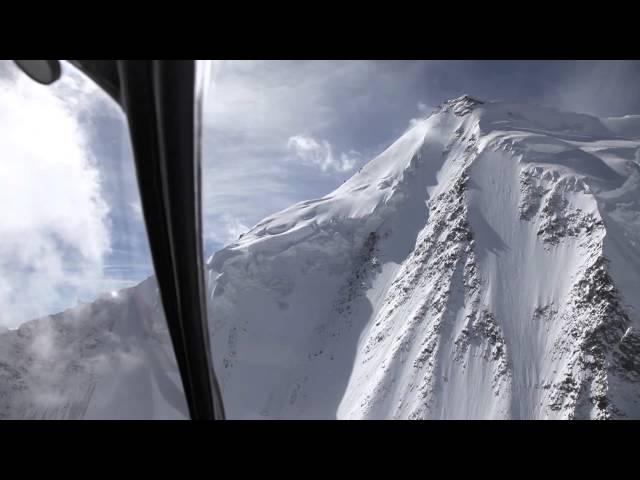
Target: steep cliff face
(484, 266)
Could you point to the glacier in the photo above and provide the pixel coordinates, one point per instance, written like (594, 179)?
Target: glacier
(484, 266)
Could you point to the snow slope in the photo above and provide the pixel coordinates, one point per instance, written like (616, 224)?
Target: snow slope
(483, 266)
(110, 359)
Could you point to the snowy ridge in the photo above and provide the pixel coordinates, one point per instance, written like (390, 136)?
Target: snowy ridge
(111, 358)
(484, 266)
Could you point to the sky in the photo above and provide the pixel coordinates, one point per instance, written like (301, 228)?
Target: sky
(274, 133)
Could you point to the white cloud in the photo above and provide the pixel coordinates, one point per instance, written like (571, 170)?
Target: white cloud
(53, 222)
(424, 109)
(268, 99)
(136, 207)
(228, 229)
(233, 228)
(320, 154)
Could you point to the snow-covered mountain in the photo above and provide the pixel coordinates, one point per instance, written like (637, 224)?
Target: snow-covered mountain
(485, 265)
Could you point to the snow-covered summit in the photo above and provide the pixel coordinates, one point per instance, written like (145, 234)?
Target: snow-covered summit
(459, 106)
(483, 266)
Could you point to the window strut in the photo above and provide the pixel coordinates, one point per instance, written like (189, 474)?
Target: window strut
(158, 98)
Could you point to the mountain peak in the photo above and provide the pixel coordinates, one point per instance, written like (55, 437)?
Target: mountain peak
(461, 105)
(452, 277)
